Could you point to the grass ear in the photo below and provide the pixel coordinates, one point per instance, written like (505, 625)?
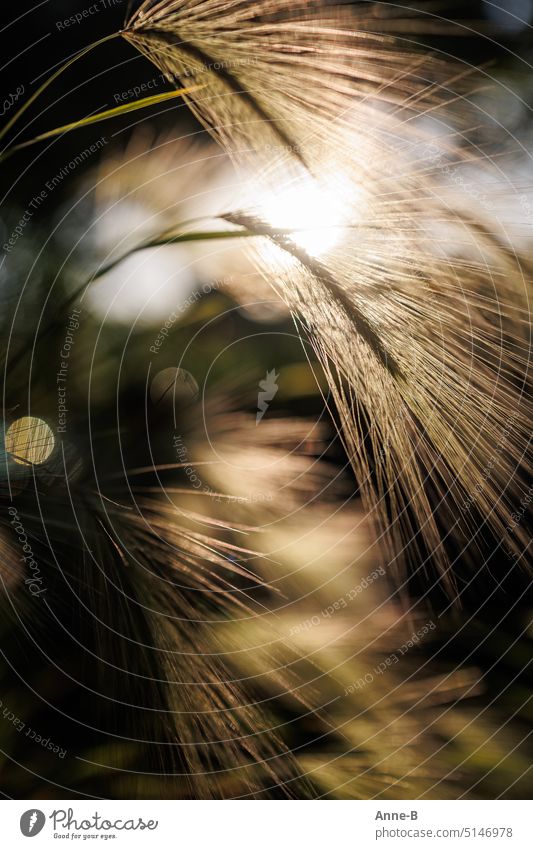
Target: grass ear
(424, 383)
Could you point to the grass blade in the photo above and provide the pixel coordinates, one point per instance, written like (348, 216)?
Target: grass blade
(106, 115)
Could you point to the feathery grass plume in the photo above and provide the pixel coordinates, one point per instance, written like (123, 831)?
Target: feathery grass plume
(280, 76)
(427, 372)
(421, 727)
(418, 311)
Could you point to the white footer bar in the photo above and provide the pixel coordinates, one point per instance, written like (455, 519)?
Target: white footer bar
(267, 824)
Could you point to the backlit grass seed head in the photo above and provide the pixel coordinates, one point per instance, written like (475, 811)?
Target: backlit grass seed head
(414, 304)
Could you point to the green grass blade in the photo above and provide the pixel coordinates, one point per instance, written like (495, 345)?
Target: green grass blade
(106, 115)
(5, 129)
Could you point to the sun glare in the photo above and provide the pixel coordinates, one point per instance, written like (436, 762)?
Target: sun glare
(315, 213)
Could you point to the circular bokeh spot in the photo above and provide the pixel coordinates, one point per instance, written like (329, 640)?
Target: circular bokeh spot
(173, 386)
(29, 441)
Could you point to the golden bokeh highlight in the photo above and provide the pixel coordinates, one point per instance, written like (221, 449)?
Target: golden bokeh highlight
(29, 441)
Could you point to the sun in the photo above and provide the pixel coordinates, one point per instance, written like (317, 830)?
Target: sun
(315, 213)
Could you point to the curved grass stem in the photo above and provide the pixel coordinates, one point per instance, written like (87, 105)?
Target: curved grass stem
(18, 114)
(173, 238)
(100, 116)
(247, 227)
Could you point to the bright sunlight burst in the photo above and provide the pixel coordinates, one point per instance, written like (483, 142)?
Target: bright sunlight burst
(315, 212)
